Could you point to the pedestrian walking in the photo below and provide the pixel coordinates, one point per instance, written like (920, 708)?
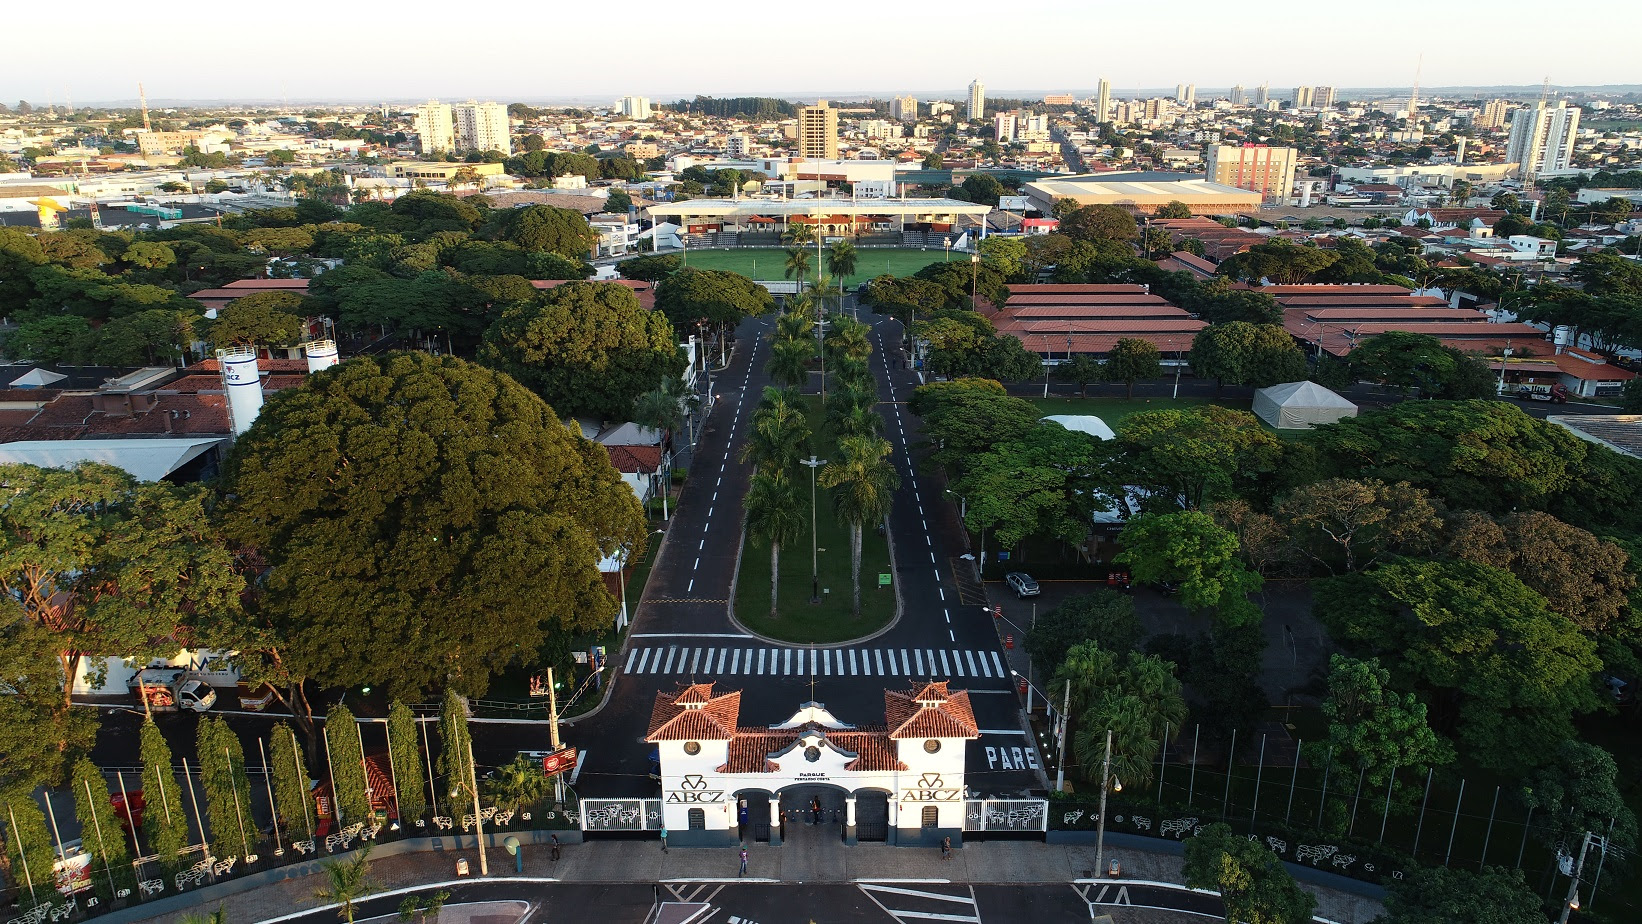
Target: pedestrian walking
(743, 862)
(946, 848)
(815, 810)
(555, 848)
(663, 838)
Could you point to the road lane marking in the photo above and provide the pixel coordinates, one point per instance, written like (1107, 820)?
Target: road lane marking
(630, 656)
(996, 663)
(669, 668)
(970, 657)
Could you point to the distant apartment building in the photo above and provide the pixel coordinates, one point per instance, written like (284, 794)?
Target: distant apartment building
(904, 108)
(1237, 95)
(1262, 95)
(939, 108)
(1303, 97)
(977, 100)
(1325, 97)
(881, 129)
(1103, 100)
(735, 145)
(1059, 99)
(1029, 127)
(1003, 126)
(818, 132)
(644, 150)
(1158, 109)
(482, 127)
(160, 143)
(1256, 167)
(1493, 114)
(435, 127)
(634, 107)
(1542, 139)
(1185, 94)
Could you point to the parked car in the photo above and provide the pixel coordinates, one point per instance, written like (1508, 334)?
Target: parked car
(1021, 583)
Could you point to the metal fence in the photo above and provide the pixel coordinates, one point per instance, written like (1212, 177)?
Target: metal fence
(1006, 815)
(620, 815)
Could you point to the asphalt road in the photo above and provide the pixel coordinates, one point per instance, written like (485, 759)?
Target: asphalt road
(874, 902)
(682, 630)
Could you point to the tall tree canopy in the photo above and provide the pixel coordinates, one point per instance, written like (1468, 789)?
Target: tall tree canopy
(1484, 455)
(264, 319)
(1251, 880)
(1500, 666)
(715, 296)
(587, 348)
(1190, 457)
(426, 522)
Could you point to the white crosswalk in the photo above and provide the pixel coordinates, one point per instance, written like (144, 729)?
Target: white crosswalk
(711, 661)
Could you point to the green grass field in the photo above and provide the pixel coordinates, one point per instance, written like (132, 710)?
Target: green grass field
(830, 620)
(769, 262)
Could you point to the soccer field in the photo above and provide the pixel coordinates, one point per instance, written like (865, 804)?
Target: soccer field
(770, 262)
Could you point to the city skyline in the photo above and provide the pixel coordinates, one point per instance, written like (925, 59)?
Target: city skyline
(342, 62)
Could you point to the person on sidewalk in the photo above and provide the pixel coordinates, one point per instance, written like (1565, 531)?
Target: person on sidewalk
(815, 810)
(743, 862)
(555, 848)
(946, 848)
(663, 838)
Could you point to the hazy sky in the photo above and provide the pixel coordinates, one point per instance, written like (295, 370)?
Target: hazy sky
(98, 50)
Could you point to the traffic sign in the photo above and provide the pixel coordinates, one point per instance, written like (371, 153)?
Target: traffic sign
(883, 580)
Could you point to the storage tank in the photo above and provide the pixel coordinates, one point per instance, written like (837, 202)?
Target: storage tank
(1562, 336)
(321, 355)
(244, 385)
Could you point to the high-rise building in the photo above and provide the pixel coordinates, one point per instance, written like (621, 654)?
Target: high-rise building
(977, 100)
(1266, 170)
(1029, 127)
(1262, 95)
(904, 108)
(818, 132)
(1004, 125)
(434, 129)
(482, 127)
(1493, 114)
(1103, 101)
(735, 145)
(1325, 97)
(634, 107)
(1303, 97)
(1237, 95)
(1542, 139)
(1185, 94)
(1180, 93)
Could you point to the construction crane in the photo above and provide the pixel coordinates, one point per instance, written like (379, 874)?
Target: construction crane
(142, 97)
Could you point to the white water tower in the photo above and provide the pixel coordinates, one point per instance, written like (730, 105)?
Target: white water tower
(1562, 335)
(243, 382)
(321, 355)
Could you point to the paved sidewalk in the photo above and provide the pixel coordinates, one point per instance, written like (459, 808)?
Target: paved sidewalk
(644, 862)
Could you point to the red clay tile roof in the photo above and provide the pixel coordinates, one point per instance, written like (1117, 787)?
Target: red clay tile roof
(17, 418)
(1080, 298)
(750, 750)
(931, 712)
(33, 395)
(1591, 371)
(694, 714)
(264, 365)
(635, 460)
(1126, 328)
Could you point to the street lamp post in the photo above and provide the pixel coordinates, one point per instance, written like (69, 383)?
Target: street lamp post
(1571, 904)
(1107, 782)
(815, 560)
(947, 243)
(974, 274)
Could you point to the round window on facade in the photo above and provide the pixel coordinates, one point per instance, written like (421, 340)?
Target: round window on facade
(692, 748)
(812, 753)
(931, 746)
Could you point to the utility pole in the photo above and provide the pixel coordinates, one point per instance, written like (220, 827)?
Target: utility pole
(1105, 784)
(815, 559)
(553, 731)
(1060, 765)
(1572, 903)
(478, 820)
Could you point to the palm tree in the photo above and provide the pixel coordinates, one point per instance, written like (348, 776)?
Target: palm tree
(775, 515)
(794, 325)
(863, 482)
(798, 264)
(779, 430)
(799, 234)
(857, 421)
(347, 884)
(790, 362)
(518, 784)
(841, 259)
(219, 916)
(848, 341)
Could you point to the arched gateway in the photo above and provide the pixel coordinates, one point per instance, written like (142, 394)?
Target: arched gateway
(902, 782)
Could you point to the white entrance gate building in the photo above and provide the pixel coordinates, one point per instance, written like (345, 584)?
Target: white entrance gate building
(902, 782)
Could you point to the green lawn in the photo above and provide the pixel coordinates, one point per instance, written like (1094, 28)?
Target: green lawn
(828, 621)
(1112, 410)
(769, 262)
